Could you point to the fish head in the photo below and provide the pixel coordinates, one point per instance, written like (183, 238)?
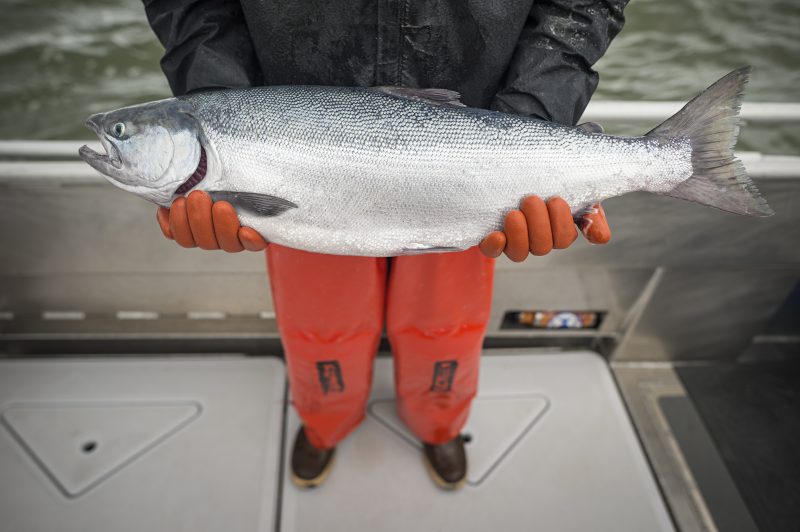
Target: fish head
(151, 149)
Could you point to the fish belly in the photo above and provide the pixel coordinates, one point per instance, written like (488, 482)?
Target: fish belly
(355, 206)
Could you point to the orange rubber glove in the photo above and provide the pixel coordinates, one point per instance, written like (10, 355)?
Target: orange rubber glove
(539, 227)
(196, 221)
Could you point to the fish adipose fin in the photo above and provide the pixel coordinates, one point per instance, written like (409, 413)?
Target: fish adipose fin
(439, 97)
(262, 204)
(711, 123)
(591, 127)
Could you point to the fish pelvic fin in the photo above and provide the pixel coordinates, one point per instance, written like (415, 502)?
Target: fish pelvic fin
(711, 123)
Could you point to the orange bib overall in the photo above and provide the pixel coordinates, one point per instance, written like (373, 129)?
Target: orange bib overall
(330, 311)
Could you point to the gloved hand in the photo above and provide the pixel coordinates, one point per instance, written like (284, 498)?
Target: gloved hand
(538, 227)
(196, 221)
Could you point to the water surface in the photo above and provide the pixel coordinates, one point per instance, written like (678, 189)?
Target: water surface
(61, 61)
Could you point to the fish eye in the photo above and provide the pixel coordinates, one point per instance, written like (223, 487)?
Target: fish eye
(119, 129)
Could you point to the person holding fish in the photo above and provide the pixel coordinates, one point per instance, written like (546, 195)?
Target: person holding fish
(527, 57)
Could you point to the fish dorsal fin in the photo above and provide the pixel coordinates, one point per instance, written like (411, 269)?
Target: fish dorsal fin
(440, 97)
(262, 204)
(591, 127)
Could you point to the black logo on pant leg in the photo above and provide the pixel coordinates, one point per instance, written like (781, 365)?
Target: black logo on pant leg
(330, 376)
(443, 373)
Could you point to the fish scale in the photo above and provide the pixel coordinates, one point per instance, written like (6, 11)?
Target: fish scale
(389, 171)
(375, 174)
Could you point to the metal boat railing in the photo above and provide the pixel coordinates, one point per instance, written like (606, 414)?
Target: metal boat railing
(31, 160)
(608, 111)
(41, 160)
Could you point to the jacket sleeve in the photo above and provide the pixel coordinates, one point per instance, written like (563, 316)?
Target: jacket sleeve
(207, 44)
(550, 75)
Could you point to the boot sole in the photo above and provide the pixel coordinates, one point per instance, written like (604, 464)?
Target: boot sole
(308, 483)
(441, 482)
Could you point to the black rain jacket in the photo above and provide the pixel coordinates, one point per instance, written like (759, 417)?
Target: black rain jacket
(530, 57)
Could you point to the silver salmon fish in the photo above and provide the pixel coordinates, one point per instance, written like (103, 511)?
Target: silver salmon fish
(391, 171)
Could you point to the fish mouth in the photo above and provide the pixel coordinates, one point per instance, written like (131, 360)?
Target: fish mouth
(196, 177)
(102, 162)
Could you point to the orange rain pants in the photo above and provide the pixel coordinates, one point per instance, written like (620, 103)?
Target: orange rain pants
(330, 311)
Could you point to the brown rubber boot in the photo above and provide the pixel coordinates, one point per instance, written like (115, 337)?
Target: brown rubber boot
(447, 463)
(310, 466)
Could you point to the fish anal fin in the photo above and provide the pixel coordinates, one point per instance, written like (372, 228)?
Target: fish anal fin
(440, 97)
(416, 249)
(262, 204)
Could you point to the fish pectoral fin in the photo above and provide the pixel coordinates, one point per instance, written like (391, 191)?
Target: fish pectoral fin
(415, 249)
(440, 97)
(591, 127)
(262, 204)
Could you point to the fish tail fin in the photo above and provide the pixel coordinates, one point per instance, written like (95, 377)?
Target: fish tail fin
(711, 123)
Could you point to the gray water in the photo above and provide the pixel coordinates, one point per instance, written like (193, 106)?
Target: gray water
(61, 61)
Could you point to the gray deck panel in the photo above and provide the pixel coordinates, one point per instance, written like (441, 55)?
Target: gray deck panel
(213, 468)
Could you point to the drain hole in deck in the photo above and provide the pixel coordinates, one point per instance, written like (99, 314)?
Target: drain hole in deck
(89, 447)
